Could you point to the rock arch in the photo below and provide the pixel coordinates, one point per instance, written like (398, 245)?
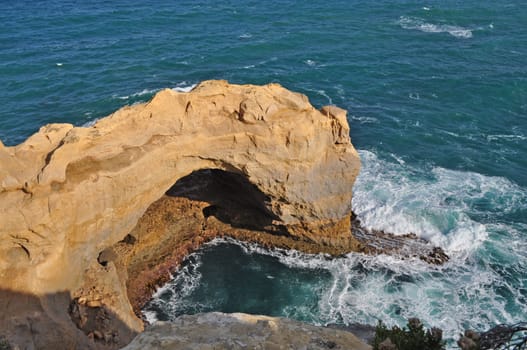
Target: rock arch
(68, 193)
(232, 199)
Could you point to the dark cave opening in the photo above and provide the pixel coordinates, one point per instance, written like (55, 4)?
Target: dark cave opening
(232, 197)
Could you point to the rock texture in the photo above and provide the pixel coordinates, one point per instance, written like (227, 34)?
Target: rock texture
(406, 246)
(214, 203)
(242, 331)
(71, 199)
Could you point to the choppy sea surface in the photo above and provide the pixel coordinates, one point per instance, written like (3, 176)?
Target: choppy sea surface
(437, 99)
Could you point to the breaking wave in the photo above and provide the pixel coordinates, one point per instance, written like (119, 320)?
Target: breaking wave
(419, 24)
(438, 204)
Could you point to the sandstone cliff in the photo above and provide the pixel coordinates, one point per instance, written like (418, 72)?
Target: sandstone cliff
(71, 196)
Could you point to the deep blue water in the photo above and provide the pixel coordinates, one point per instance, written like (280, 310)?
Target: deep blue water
(437, 99)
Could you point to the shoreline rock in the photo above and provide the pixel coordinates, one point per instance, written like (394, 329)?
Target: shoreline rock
(242, 331)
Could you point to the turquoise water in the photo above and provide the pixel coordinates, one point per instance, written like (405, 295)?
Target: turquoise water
(437, 99)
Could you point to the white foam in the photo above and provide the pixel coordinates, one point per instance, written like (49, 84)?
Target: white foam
(364, 120)
(470, 291)
(497, 137)
(310, 63)
(419, 24)
(390, 293)
(323, 93)
(449, 133)
(260, 63)
(454, 297)
(180, 87)
(90, 123)
(414, 96)
(171, 296)
(137, 94)
(150, 316)
(398, 159)
(436, 204)
(245, 36)
(184, 87)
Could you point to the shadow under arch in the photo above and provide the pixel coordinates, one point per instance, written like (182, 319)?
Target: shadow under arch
(233, 199)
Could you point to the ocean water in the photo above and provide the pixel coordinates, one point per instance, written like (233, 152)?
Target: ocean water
(437, 99)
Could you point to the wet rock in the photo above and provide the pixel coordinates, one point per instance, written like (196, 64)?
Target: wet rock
(405, 246)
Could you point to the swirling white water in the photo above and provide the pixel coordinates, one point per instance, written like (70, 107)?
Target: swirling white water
(483, 284)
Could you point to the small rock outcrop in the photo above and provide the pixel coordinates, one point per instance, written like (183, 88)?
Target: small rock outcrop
(241, 331)
(72, 197)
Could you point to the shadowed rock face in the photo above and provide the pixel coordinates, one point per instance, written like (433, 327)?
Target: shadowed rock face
(70, 197)
(232, 198)
(39, 322)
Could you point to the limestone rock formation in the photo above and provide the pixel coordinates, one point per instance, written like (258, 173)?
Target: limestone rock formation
(241, 331)
(70, 196)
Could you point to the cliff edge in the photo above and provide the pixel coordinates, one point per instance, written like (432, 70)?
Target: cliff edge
(70, 197)
(241, 331)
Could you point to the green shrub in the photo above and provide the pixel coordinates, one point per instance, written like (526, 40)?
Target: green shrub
(4, 344)
(411, 337)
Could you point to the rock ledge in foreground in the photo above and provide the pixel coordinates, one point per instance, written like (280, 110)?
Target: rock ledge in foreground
(242, 331)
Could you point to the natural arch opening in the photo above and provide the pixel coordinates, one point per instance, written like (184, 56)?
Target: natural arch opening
(199, 207)
(232, 199)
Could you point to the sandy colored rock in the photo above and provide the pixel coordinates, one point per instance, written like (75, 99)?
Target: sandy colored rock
(69, 193)
(242, 331)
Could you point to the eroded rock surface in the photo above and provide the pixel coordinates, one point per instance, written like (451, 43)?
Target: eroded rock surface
(241, 331)
(406, 246)
(199, 207)
(70, 198)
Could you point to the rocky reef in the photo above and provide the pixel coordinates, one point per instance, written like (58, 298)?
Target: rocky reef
(93, 219)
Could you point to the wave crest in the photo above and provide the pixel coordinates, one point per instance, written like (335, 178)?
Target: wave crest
(419, 24)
